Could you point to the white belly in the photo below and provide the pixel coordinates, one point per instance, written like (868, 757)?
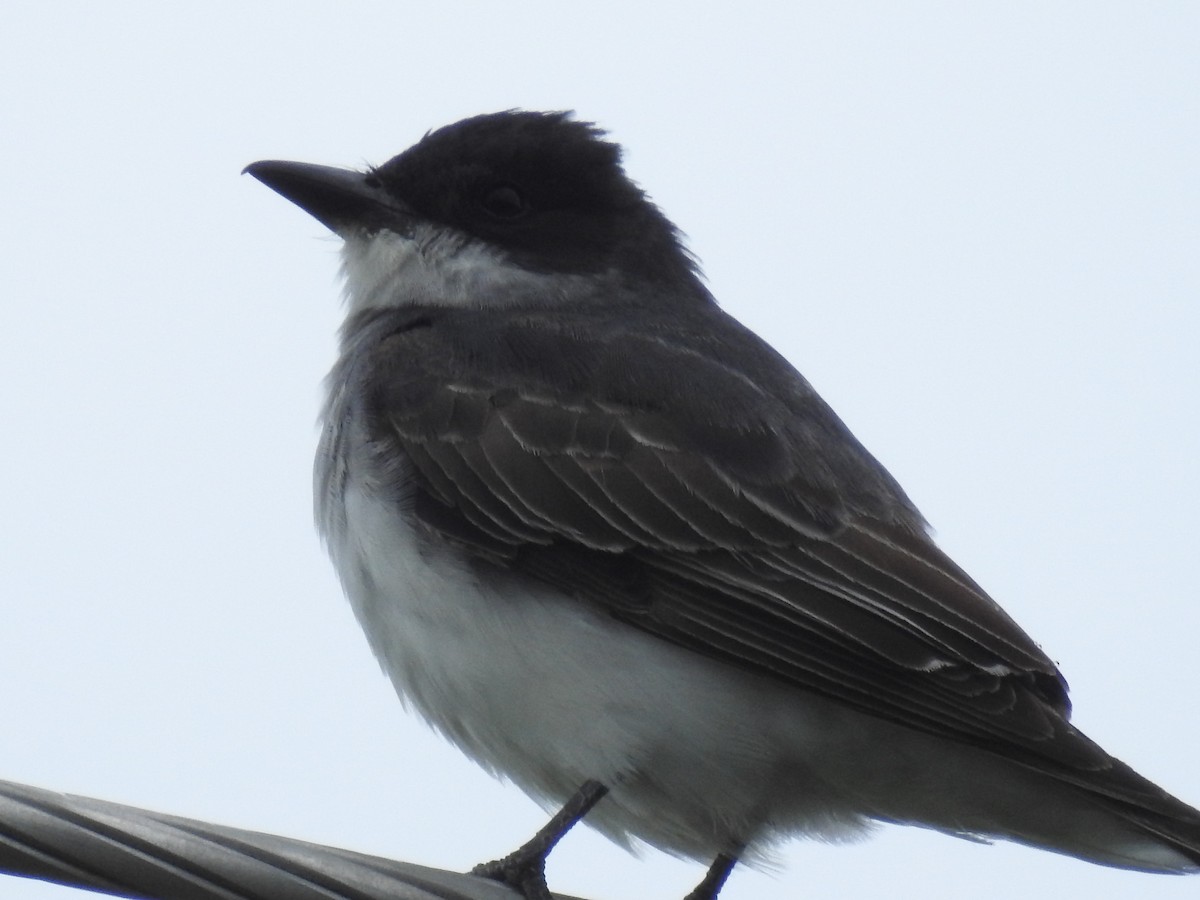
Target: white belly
(544, 691)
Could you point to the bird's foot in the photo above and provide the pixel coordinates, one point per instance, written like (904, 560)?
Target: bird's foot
(525, 875)
(524, 870)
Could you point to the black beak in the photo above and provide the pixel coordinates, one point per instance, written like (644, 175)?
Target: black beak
(341, 199)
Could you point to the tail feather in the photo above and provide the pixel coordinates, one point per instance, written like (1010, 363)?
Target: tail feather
(1102, 812)
(1139, 825)
(1174, 827)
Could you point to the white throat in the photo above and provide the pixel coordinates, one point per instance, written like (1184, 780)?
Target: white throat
(439, 266)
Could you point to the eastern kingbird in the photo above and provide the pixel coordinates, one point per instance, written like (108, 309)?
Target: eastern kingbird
(615, 548)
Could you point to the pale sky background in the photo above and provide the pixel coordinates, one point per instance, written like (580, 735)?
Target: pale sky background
(974, 227)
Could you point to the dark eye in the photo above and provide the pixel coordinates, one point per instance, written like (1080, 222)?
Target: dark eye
(504, 201)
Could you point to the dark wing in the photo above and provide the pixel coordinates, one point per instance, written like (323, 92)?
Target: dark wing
(646, 467)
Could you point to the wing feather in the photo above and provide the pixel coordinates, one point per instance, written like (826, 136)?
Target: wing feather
(724, 510)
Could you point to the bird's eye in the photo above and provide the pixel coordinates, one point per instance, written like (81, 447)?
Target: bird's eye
(504, 202)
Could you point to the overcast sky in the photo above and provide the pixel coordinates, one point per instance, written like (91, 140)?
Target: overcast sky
(974, 227)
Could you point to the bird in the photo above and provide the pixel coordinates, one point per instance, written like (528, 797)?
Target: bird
(612, 545)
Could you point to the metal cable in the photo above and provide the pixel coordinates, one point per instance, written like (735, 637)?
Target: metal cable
(107, 847)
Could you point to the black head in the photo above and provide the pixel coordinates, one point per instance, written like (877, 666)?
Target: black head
(545, 189)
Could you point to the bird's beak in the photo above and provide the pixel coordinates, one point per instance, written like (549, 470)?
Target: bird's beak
(341, 199)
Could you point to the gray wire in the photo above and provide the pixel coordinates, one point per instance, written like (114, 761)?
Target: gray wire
(100, 846)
